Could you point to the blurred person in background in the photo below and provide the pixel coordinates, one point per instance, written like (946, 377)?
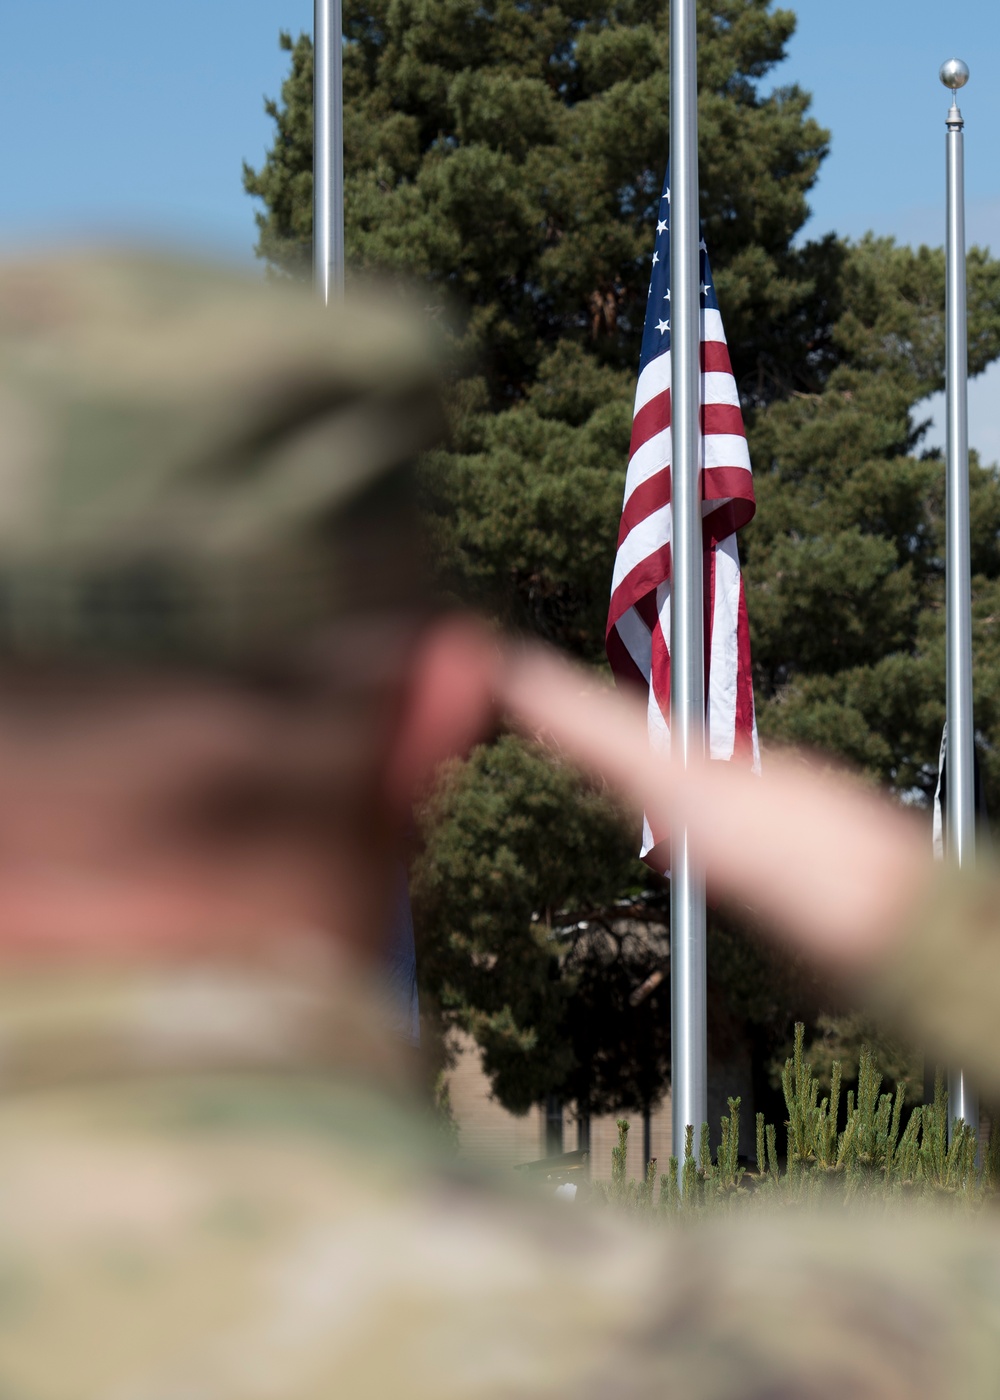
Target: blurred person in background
(222, 683)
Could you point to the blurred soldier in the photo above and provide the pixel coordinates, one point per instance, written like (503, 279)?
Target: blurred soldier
(220, 687)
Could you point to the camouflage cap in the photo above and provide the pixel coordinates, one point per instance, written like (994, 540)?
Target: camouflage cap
(196, 463)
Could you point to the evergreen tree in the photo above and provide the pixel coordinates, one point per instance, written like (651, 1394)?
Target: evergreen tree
(509, 157)
(845, 557)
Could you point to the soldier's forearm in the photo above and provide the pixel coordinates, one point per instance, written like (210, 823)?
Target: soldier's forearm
(834, 868)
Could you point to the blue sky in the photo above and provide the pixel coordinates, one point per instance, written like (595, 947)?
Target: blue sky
(132, 119)
(871, 66)
(128, 118)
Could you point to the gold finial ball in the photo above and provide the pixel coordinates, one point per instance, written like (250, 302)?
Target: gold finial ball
(954, 74)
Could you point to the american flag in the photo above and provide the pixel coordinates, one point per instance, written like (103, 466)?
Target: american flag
(638, 635)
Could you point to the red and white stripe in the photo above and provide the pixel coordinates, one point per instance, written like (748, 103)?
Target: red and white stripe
(638, 635)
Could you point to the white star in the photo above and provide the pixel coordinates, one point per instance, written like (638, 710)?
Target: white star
(662, 326)
(666, 195)
(703, 246)
(706, 287)
(666, 295)
(656, 258)
(661, 226)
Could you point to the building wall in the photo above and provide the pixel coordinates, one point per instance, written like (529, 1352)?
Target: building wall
(498, 1140)
(487, 1133)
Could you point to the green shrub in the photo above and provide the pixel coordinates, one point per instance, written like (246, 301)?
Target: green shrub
(876, 1154)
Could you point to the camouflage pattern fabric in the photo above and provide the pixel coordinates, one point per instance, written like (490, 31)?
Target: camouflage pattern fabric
(944, 986)
(203, 1194)
(196, 464)
(183, 1226)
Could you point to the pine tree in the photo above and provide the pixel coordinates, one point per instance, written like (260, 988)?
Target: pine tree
(511, 155)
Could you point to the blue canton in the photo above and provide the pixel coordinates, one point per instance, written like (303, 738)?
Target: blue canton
(656, 333)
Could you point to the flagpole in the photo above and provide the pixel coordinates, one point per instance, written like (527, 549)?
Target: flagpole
(328, 149)
(689, 1035)
(328, 269)
(963, 1103)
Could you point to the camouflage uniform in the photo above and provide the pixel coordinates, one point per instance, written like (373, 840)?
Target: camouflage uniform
(211, 1184)
(204, 1193)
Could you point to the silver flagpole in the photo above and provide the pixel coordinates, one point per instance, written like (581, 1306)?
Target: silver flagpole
(961, 829)
(328, 149)
(689, 1036)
